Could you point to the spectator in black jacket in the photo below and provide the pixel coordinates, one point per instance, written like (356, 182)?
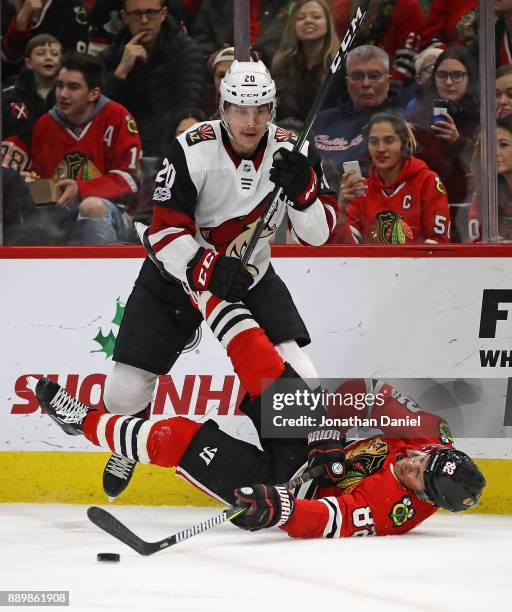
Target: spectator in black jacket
(29, 98)
(106, 22)
(154, 70)
(213, 27)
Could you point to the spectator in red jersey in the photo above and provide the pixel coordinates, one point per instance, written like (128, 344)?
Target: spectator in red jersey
(393, 25)
(447, 143)
(154, 70)
(444, 22)
(303, 58)
(402, 201)
(67, 20)
(504, 170)
(213, 27)
(91, 146)
(30, 96)
(384, 485)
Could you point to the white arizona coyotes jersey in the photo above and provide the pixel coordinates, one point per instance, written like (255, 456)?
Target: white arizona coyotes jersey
(206, 195)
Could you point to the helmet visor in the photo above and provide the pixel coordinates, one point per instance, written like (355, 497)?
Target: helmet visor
(248, 116)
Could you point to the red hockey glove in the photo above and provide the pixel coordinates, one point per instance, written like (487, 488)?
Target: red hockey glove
(293, 173)
(225, 277)
(265, 505)
(325, 448)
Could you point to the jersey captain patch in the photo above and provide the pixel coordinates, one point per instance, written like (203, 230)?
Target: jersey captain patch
(203, 132)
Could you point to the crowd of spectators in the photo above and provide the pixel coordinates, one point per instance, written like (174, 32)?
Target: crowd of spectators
(93, 91)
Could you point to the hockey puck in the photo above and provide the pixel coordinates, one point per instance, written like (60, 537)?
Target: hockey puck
(108, 557)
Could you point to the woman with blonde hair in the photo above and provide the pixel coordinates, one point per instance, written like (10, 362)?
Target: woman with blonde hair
(304, 56)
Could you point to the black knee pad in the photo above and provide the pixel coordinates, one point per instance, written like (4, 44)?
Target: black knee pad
(222, 464)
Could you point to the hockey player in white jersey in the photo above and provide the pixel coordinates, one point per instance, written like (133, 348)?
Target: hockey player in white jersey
(211, 189)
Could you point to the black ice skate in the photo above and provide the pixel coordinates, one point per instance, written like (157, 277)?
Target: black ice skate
(62, 407)
(117, 475)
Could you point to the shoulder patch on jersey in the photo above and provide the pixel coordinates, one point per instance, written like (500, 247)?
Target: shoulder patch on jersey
(402, 511)
(203, 132)
(439, 186)
(284, 135)
(131, 126)
(19, 110)
(445, 435)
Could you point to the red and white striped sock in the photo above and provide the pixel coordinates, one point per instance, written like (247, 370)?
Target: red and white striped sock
(157, 442)
(253, 356)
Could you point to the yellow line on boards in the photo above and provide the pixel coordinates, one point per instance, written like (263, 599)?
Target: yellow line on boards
(60, 477)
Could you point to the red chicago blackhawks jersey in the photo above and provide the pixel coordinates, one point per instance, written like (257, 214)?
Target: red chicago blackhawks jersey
(102, 156)
(411, 210)
(370, 500)
(208, 196)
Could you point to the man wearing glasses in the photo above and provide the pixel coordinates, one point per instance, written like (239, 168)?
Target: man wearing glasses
(154, 70)
(339, 131)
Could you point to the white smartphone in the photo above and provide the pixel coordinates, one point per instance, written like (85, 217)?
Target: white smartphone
(352, 166)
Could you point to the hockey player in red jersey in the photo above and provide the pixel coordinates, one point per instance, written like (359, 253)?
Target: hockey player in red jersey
(90, 145)
(379, 486)
(211, 189)
(402, 201)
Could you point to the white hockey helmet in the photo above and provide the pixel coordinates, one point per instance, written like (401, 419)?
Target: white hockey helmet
(247, 84)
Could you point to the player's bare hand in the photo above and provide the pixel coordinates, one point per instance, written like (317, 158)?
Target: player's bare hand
(70, 192)
(30, 11)
(446, 129)
(352, 186)
(133, 51)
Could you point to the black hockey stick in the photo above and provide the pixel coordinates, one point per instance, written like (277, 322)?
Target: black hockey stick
(273, 200)
(109, 523)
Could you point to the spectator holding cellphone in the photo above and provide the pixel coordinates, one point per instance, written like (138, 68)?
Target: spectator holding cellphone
(402, 201)
(447, 124)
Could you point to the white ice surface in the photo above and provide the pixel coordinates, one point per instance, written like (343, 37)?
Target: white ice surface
(450, 563)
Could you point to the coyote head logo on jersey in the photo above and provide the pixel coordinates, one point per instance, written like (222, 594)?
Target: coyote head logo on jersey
(231, 237)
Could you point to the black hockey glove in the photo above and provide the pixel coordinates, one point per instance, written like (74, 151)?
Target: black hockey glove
(325, 448)
(293, 173)
(225, 277)
(266, 505)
